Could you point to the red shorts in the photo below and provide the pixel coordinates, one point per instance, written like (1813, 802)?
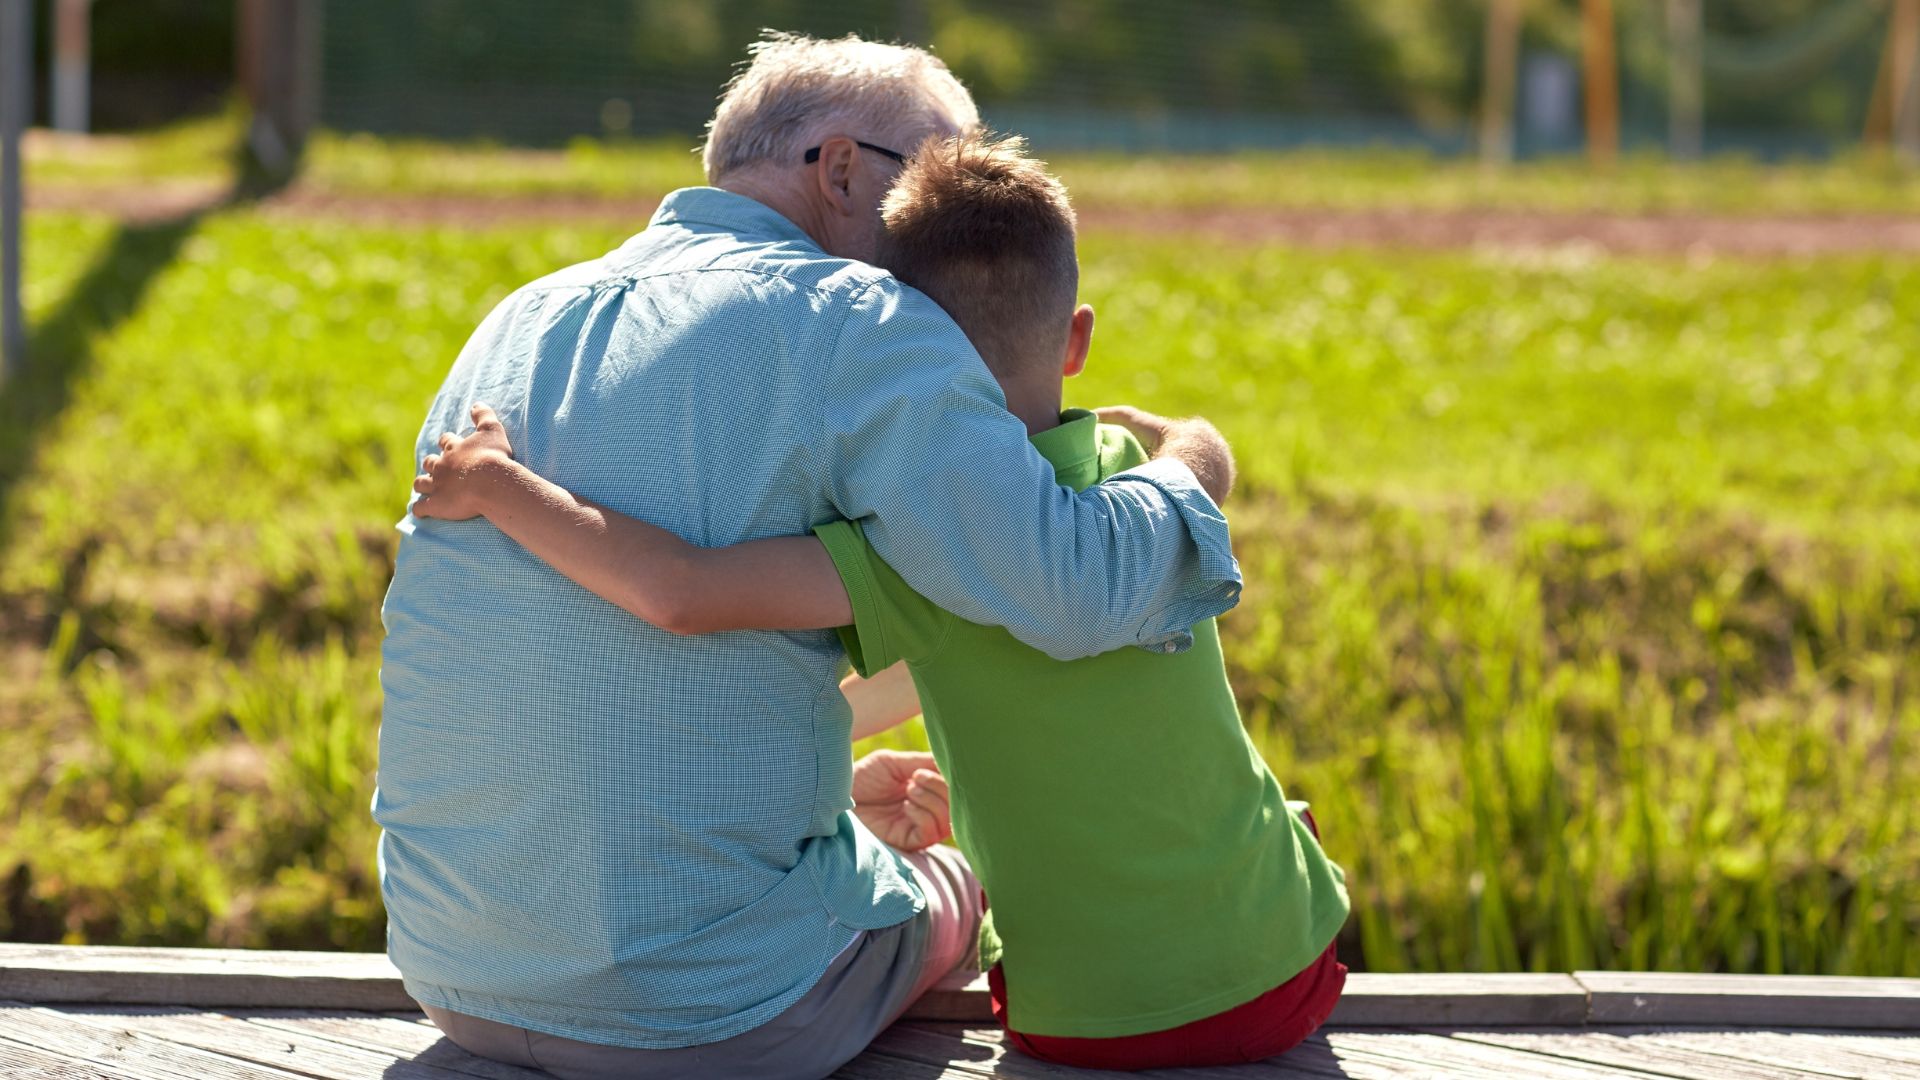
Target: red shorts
(1270, 1024)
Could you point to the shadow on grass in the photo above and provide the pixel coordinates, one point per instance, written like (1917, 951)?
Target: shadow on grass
(60, 348)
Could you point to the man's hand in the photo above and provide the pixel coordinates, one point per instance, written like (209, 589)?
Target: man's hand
(1193, 442)
(902, 797)
(455, 480)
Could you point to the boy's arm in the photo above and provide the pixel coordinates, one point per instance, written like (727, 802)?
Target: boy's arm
(886, 700)
(783, 583)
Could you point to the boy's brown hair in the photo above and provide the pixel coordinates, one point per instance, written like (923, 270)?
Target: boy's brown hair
(979, 226)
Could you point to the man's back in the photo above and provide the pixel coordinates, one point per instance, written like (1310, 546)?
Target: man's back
(594, 828)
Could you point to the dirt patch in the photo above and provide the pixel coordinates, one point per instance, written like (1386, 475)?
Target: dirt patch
(1443, 230)
(1530, 229)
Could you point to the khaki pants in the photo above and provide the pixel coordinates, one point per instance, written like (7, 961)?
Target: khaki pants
(865, 989)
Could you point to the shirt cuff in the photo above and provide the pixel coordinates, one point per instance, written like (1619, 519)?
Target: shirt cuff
(865, 641)
(1212, 585)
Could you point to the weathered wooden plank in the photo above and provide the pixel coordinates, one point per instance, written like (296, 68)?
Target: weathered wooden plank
(204, 978)
(881, 1067)
(1457, 1057)
(1622, 997)
(387, 1032)
(981, 1051)
(1319, 1056)
(422, 1044)
(1822, 1054)
(118, 1050)
(988, 1055)
(1487, 999)
(258, 978)
(19, 1061)
(960, 997)
(1601, 1047)
(305, 1054)
(976, 1051)
(1900, 1046)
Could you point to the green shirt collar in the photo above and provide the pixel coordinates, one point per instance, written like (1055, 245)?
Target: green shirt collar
(1073, 448)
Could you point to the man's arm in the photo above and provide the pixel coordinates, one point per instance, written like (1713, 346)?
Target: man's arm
(784, 583)
(918, 445)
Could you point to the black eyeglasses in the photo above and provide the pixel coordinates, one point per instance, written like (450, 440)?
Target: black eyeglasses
(813, 155)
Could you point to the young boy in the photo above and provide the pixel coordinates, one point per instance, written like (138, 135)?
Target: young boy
(1153, 900)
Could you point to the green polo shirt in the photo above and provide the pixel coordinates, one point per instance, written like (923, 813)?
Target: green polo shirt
(1142, 866)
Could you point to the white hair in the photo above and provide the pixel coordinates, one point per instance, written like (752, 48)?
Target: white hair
(796, 89)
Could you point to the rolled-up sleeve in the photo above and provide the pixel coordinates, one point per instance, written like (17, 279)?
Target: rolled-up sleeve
(921, 449)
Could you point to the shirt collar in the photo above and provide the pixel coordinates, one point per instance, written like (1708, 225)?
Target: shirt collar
(1073, 448)
(744, 217)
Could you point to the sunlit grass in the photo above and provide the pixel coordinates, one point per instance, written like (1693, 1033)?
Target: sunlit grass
(199, 150)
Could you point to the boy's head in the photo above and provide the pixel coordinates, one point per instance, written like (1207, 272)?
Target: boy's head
(981, 227)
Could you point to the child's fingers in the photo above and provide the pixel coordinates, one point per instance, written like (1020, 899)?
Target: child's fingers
(931, 803)
(927, 806)
(448, 440)
(928, 781)
(430, 463)
(483, 415)
(925, 829)
(426, 508)
(423, 483)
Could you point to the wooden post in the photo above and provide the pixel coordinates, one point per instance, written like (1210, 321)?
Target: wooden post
(1904, 58)
(16, 108)
(70, 64)
(1878, 129)
(1496, 102)
(1686, 103)
(1602, 84)
(277, 57)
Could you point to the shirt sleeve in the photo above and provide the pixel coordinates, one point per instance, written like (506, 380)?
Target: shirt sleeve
(924, 454)
(891, 622)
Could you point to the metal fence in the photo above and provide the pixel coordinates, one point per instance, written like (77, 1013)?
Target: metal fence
(1775, 77)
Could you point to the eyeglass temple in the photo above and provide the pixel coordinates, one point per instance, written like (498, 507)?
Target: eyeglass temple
(813, 155)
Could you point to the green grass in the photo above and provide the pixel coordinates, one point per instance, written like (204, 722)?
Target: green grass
(1582, 600)
(199, 150)
(1352, 180)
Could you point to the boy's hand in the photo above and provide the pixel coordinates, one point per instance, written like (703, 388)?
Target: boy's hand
(456, 479)
(1146, 427)
(902, 797)
(1191, 441)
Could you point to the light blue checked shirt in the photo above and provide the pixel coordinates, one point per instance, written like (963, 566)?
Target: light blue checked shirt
(599, 830)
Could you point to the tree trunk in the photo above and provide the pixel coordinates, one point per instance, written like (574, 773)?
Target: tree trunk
(1602, 82)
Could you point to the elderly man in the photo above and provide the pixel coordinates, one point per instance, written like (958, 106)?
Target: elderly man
(613, 851)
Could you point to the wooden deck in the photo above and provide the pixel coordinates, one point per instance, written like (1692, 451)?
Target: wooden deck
(165, 1014)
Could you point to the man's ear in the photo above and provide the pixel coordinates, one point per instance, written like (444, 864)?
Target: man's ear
(833, 173)
(1079, 342)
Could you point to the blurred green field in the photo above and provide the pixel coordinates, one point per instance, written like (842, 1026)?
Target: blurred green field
(1583, 601)
(364, 164)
